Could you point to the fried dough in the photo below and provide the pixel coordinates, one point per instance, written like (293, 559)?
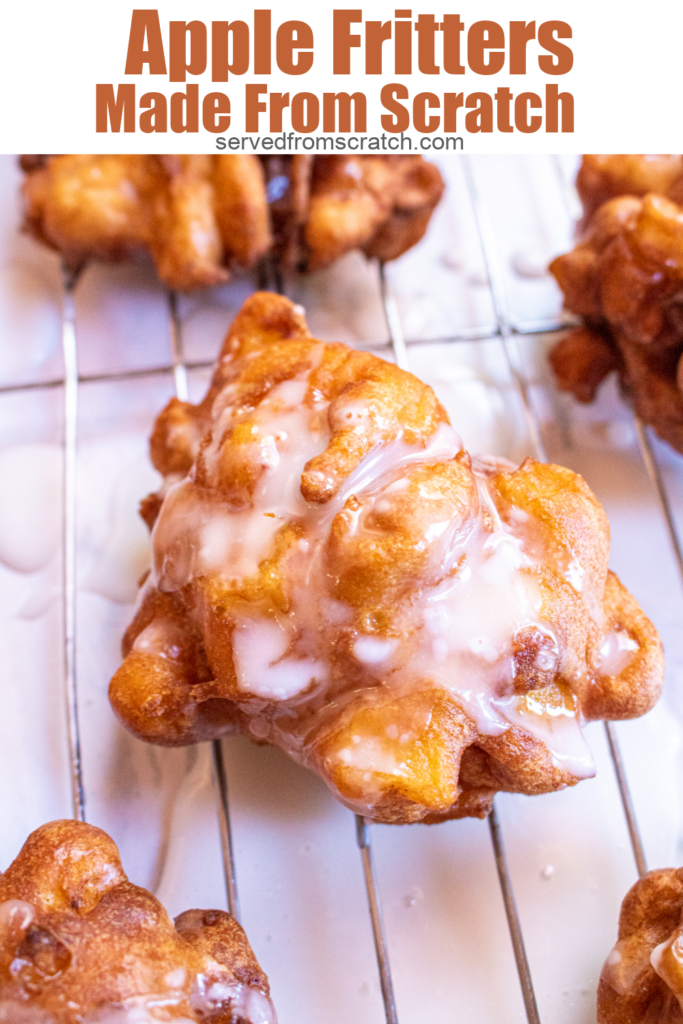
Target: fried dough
(198, 215)
(625, 278)
(642, 979)
(334, 574)
(80, 943)
(606, 176)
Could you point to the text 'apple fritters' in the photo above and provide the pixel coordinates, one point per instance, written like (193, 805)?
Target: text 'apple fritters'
(642, 979)
(625, 278)
(333, 574)
(79, 944)
(199, 215)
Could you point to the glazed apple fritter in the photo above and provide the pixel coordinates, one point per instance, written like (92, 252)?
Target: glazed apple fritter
(642, 979)
(79, 944)
(625, 278)
(199, 215)
(332, 573)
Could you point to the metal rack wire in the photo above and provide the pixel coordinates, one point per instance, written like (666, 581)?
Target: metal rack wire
(507, 332)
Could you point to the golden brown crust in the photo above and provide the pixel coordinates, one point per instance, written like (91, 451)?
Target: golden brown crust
(185, 240)
(602, 177)
(92, 207)
(77, 939)
(631, 990)
(582, 359)
(381, 205)
(625, 277)
(198, 215)
(393, 402)
(304, 565)
(241, 212)
(635, 689)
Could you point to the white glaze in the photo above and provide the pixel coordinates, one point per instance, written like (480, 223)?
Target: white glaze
(622, 971)
(248, 1003)
(138, 1010)
(372, 651)
(478, 587)
(30, 510)
(264, 665)
(531, 262)
(123, 552)
(15, 917)
(616, 653)
(154, 639)
(674, 947)
(558, 727)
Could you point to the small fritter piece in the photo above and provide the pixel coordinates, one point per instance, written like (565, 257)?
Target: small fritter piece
(98, 207)
(625, 278)
(602, 177)
(381, 205)
(80, 943)
(333, 574)
(195, 214)
(199, 215)
(642, 979)
(185, 240)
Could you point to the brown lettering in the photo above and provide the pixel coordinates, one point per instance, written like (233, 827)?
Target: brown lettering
(216, 112)
(262, 42)
(291, 36)
(483, 36)
(145, 23)
(185, 110)
(344, 40)
(422, 101)
(553, 98)
(115, 107)
(427, 26)
(503, 99)
(253, 106)
(403, 46)
(520, 34)
(177, 47)
(399, 119)
(305, 112)
(154, 118)
(278, 102)
(221, 31)
(480, 117)
(452, 103)
(523, 122)
(376, 34)
(564, 57)
(452, 32)
(332, 100)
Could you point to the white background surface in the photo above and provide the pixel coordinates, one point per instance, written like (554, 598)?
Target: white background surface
(299, 871)
(626, 75)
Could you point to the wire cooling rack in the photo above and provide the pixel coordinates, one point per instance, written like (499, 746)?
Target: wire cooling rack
(511, 335)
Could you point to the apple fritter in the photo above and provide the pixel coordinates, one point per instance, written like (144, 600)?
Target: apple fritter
(332, 573)
(79, 944)
(199, 215)
(625, 278)
(642, 978)
(606, 176)
(194, 214)
(380, 205)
